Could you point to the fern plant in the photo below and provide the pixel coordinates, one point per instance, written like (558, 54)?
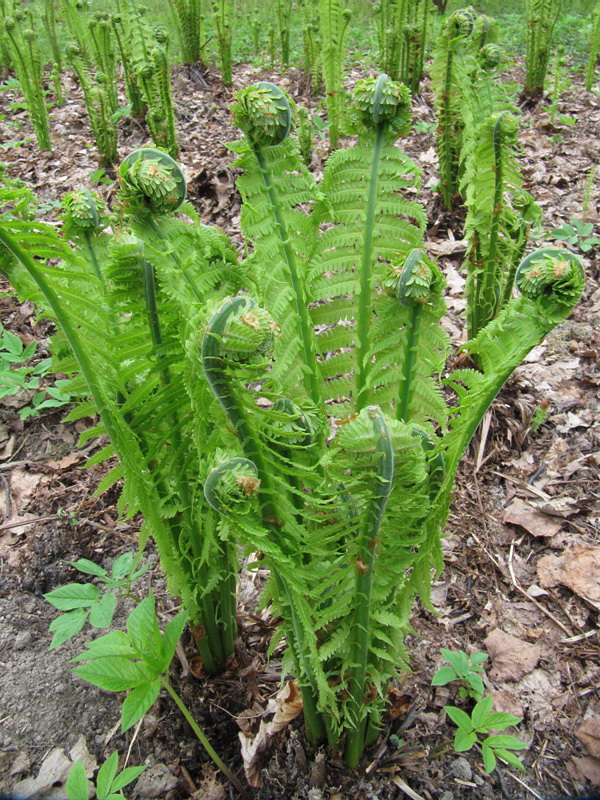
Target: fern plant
(592, 61)
(334, 21)
(21, 38)
(321, 433)
(189, 17)
(311, 41)
(350, 530)
(283, 10)
(122, 338)
(541, 17)
(223, 21)
(402, 28)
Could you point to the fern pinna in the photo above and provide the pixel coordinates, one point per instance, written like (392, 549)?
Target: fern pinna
(308, 409)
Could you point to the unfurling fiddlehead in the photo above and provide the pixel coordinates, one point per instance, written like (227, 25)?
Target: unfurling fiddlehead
(82, 217)
(263, 113)
(231, 486)
(552, 279)
(152, 182)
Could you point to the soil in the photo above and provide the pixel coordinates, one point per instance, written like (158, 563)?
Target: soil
(525, 496)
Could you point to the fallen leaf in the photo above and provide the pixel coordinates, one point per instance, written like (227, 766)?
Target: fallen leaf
(155, 782)
(586, 768)
(50, 779)
(512, 658)
(588, 734)
(447, 247)
(67, 461)
(531, 519)
(22, 486)
(285, 706)
(507, 701)
(577, 568)
(21, 763)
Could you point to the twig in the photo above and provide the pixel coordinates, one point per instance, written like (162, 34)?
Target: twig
(9, 525)
(7, 493)
(406, 789)
(524, 785)
(485, 429)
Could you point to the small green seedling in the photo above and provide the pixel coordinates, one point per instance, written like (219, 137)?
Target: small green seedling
(577, 233)
(109, 782)
(464, 668)
(137, 661)
(86, 601)
(16, 375)
(481, 722)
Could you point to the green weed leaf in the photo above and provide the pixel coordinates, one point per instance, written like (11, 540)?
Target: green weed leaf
(106, 775)
(115, 643)
(443, 676)
(114, 673)
(88, 567)
(142, 626)
(138, 702)
(172, 635)
(73, 595)
(482, 711)
(101, 613)
(125, 777)
(76, 786)
(464, 740)
(66, 626)
(489, 759)
(459, 717)
(499, 720)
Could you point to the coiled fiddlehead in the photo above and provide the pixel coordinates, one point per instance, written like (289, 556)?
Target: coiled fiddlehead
(553, 278)
(263, 113)
(489, 56)
(381, 101)
(151, 182)
(231, 486)
(82, 216)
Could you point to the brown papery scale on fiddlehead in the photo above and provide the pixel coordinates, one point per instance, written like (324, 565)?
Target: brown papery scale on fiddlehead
(82, 211)
(553, 278)
(263, 113)
(383, 101)
(232, 486)
(151, 182)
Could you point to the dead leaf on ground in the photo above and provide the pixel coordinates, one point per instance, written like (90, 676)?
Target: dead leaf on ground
(285, 706)
(67, 461)
(531, 519)
(586, 768)
(22, 486)
(578, 568)
(512, 658)
(588, 734)
(53, 774)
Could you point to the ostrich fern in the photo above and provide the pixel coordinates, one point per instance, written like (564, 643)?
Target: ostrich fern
(309, 409)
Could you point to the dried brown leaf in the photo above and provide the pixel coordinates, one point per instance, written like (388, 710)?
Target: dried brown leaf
(512, 658)
(531, 519)
(588, 734)
(578, 568)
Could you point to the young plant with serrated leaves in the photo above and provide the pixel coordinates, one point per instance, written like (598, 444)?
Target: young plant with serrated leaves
(347, 325)
(465, 669)
(283, 10)
(479, 724)
(137, 661)
(592, 62)
(223, 21)
(122, 336)
(85, 602)
(21, 36)
(189, 18)
(540, 18)
(109, 781)
(333, 21)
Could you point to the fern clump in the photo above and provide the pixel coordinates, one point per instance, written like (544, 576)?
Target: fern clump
(296, 403)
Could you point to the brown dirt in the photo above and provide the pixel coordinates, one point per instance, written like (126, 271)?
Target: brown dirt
(491, 580)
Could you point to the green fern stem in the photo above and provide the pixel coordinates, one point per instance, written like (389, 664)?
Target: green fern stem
(365, 567)
(215, 370)
(486, 297)
(365, 304)
(218, 653)
(446, 164)
(409, 364)
(311, 375)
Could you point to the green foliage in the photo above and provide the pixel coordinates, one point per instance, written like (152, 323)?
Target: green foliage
(560, 79)
(402, 29)
(98, 104)
(28, 378)
(305, 135)
(541, 17)
(137, 661)
(84, 602)
(223, 21)
(577, 233)
(21, 37)
(464, 668)
(592, 61)
(333, 20)
(283, 9)
(218, 381)
(109, 781)
(189, 16)
(481, 722)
